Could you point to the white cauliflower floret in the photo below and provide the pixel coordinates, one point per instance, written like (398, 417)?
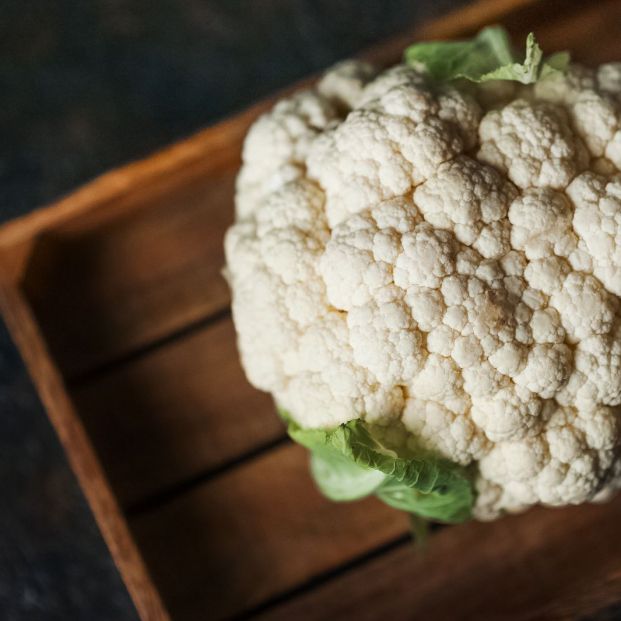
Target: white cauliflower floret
(343, 85)
(564, 88)
(592, 103)
(547, 369)
(383, 333)
(436, 428)
(597, 223)
(508, 413)
(471, 201)
(567, 464)
(395, 138)
(609, 78)
(445, 263)
(546, 327)
(533, 143)
(598, 360)
(426, 258)
(277, 145)
(274, 273)
(540, 221)
(397, 77)
(585, 307)
(595, 120)
(325, 387)
(372, 157)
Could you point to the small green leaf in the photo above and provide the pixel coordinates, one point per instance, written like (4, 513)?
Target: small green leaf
(340, 478)
(350, 461)
(488, 56)
(449, 505)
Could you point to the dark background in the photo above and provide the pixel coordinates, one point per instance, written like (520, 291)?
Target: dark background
(86, 85)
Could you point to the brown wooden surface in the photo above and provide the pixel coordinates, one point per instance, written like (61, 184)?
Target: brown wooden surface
(546, 564)
(140, 276)
(253, 533)
(116, 292)
(186, 405)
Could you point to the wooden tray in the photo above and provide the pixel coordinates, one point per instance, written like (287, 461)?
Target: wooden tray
(115, 299)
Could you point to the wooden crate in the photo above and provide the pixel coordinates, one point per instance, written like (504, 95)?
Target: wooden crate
(115, 299)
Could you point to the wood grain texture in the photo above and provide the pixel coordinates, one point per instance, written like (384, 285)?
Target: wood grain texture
(253, 533)
(101, 290)
(545, 564)
(187, 406)
(558, 24)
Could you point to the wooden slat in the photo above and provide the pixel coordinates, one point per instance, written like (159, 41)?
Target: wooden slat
(184, 409)
(254, 533)
(591, 31)
(101, 291)
(545, 564)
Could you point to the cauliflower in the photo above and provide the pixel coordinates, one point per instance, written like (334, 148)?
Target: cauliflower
(426, 275)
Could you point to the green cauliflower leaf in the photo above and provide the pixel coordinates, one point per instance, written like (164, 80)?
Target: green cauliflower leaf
(350, 462)
(488, 56)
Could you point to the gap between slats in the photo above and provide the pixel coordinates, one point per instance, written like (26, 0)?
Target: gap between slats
(325, 577)
(170, 415)
(546, 563)
(103, 293)
(256, 533)
(171, 493)
(134, 355)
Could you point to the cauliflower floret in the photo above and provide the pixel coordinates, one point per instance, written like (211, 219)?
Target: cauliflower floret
(373, 156)
(598, 361)
(595, 120)
(585, 307)
(399, 133)
(277, 145)
(541, 224)
(472, 201)
(547, 369)
(436, 428)
(325, 387)
(563, 89)
(443, 262)
(533, 143)
(567, 464)
(397, 77)
(343, 85)
(609, 78)
(508, 414)
(597, 223)
(272, 269)
(383, 333)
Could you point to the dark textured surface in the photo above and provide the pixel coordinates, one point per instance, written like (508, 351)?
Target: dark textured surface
(86, 85)
(53, 563)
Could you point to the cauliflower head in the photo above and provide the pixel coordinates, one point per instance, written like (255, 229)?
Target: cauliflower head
(426, 275)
